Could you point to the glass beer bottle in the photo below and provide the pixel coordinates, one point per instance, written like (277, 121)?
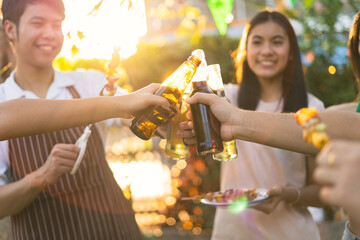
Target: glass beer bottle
(216, 84)
(146, 122)
(175, 147)
(206, 126)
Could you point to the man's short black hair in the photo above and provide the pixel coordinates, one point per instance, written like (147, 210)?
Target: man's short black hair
(13, 9)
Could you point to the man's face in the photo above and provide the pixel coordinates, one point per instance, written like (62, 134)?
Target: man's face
(39, 37)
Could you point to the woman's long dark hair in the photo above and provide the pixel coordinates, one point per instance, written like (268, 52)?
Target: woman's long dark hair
(353, 46)
(294, 89)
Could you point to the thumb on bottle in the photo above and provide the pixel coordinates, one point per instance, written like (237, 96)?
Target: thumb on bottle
(204, 98)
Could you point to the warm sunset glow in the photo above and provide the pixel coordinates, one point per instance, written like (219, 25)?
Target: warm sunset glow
(148, 179)
(113, 25)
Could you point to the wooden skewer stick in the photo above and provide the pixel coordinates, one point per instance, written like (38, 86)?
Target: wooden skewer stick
(194, 198)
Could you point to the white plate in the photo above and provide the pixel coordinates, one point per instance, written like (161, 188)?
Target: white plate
(261, 196)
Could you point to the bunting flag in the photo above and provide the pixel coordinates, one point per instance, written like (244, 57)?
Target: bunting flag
(219, 10)
(308, 3)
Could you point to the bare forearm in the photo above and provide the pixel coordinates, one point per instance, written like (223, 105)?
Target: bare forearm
(25, 116)
(342, 124)
(14, 197)
(272, 129)
(309, 196)
(282, 131)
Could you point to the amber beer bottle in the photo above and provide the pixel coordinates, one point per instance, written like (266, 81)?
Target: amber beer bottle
(206, 126)
(175, 147)
(216, 84)
(146, 122)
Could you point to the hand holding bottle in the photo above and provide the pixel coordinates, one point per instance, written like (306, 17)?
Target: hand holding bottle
(145, 123)
(222, 110)
(206, 125)
(141, 100)
(216, 84)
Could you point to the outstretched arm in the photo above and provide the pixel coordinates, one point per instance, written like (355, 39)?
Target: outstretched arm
(274, 129)
(29, 116)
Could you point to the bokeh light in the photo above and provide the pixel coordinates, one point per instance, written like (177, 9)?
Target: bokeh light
(332, 70)
(96, 33)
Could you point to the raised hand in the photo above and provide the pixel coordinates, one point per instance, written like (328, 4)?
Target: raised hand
(337, 171)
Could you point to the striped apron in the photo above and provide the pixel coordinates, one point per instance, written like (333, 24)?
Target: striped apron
(87, 205)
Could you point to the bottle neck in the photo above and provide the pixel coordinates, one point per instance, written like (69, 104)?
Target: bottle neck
(194, 60)
(199, 84)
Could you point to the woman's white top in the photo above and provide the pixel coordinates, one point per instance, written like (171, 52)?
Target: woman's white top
(260, 166)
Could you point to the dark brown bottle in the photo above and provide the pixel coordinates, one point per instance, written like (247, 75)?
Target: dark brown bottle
(206, 126)
(146, 122)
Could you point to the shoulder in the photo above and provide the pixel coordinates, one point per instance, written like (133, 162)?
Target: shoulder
(82, 75)
(351, 107)
(87, 83)
(315, 102)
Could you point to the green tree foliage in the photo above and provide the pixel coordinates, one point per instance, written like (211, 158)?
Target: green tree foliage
(325, 32)
(331, 89)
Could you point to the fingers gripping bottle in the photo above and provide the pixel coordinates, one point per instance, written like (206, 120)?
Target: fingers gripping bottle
(146, 122)
(206, 126)
(216, 84)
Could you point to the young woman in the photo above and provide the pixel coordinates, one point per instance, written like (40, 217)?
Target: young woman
(270, 77)
(281, 130)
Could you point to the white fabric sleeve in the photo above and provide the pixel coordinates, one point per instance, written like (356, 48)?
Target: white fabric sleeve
(348, 235)
(315, 102)
(231, 91)
(4, 162)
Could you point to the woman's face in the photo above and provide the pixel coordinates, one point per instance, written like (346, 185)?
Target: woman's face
(268, 49)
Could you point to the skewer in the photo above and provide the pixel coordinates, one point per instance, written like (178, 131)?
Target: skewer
(198, 197)
(108, 90)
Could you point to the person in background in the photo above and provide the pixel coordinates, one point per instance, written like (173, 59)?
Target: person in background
(269, 72)
(281, 130)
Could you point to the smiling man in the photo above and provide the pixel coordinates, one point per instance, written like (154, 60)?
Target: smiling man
(42, 198)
